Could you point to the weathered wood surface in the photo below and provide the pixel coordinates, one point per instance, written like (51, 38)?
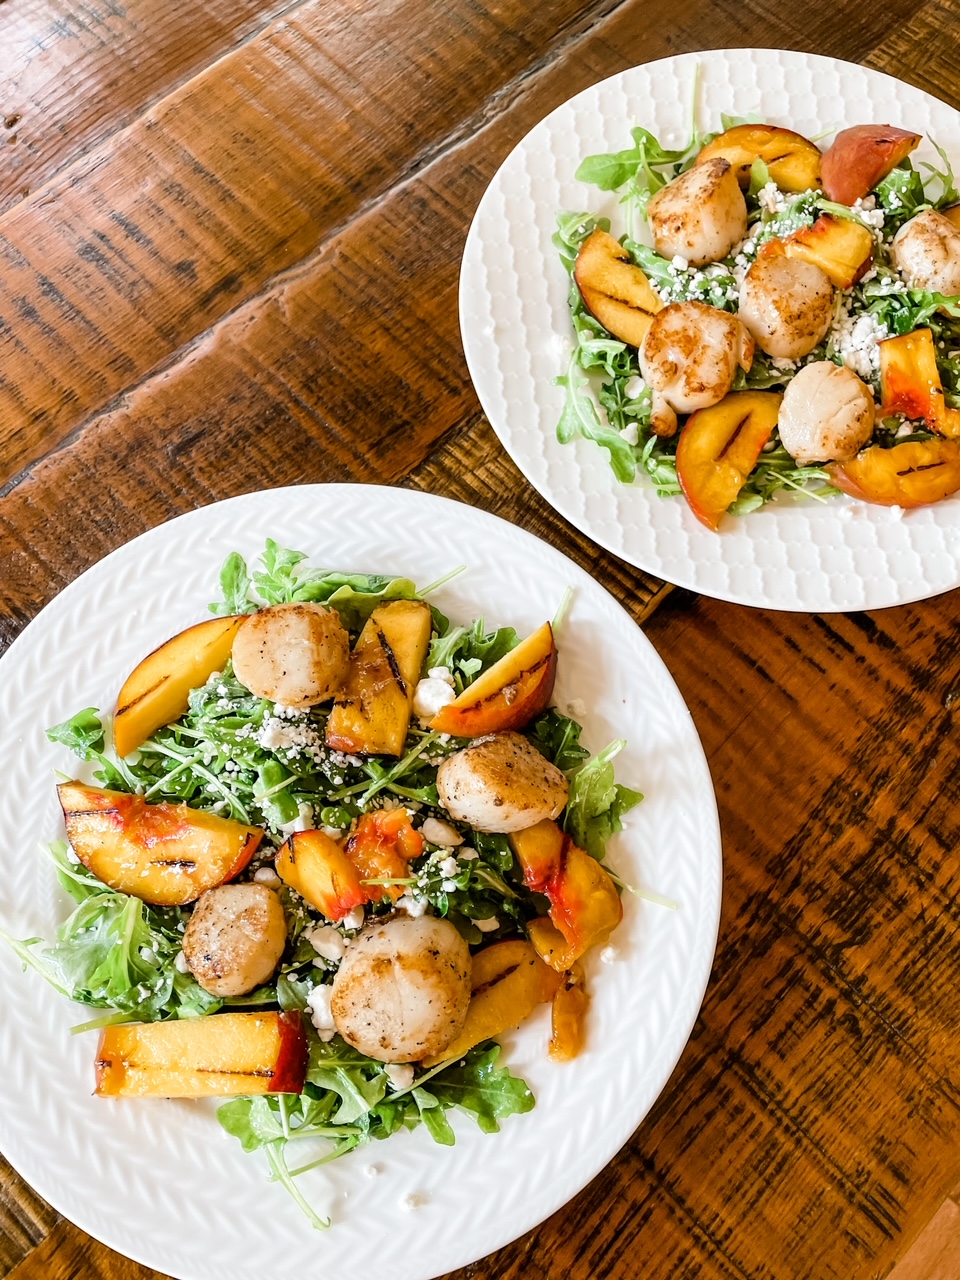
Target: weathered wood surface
(236, 266)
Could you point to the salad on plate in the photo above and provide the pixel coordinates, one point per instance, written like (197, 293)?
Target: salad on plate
(328, 847)
(770, 318)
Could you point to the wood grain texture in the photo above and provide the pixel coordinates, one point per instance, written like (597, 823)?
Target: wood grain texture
(812, 1125)
(74, 74)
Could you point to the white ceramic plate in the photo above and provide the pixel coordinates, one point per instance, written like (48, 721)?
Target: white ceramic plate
(157, 1180)
(516, 330)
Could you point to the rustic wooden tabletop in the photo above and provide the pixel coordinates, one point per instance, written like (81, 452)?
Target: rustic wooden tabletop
(216, 218)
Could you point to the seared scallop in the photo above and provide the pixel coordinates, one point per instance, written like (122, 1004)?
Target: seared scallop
(295, 654)
(501, 783)
(403, 988)
(235, 937)
(926, 251)
(699, 216)
(787, 305)
(826, 415)
(689, 359)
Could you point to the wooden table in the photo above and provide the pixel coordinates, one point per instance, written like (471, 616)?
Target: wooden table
(230, 233)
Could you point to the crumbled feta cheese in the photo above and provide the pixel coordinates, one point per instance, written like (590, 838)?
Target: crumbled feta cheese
(318, 1002)
(430, 696)
(448, 886)
(609, 955)
(372, 1170)
(400, 1074)
(771, 198)
(576, 707)
(630, 433)
(487, 926)
(326, 941)
(302, 822)
(148, 955)
(180, 963)
(466, 854)
(448, 867)
(856, 340)
(412, 1201)
(412, 905)
(353, 919)
(439, 832)
(679, 262)
(634, 387)
(441, 673)
(267, 876)
(896, 513)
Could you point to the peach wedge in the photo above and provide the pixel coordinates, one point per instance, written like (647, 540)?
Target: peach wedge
(319, 870)
(791, 159)
(840, 247)
(372, 713)
(156, 691)
(719, 448)
(911, 474)
(910, 382)
(509, 981)
(164, 854)
(614, 290)
(225, 1055)
(862, 156)
(509, 694)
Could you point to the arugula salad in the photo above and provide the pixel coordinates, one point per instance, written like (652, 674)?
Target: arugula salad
(768, 318)
(336, 844)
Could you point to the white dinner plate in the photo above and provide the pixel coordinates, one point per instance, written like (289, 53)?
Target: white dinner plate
(157, 1180)
(799, 555)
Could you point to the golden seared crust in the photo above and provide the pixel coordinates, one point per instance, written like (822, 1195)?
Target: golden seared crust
(501, 783)
(295, 654)
(403, 988)
(235, 937)
(700, 215)
(787, 305)
(690, 355)
(926, 251)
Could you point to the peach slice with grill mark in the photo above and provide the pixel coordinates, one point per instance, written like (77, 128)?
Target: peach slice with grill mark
(509, 980)
(719, 448)
(508, 695)
(157, 690)
(615, 290)
(225, 1055)
(319, 870)
(791, 159)
(840, 247)
(165, 854)
(568, 1016)
(862, 156)
(911, 474)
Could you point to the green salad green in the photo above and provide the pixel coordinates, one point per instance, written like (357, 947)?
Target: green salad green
(606, 400)
(243, 757)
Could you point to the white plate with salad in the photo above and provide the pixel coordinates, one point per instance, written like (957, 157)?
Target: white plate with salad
(159, 1178)
(792, 541)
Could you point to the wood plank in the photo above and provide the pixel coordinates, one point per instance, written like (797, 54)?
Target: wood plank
(68, 1253)
(25, 1219)
(74, 74)
(117, 263)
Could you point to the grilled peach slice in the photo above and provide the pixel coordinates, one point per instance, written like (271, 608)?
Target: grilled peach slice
(614, 290)
(225, 1055)
(509, 980)
(792, 160)
(861, 157)
(568, 1016)
(840, 247)
(509, 694)
(381, 848)
(719, 448)
(585, 907)
(910, 382)
(156, 691)
(372, 713)
(911, 474)
(164, 854)
(319, 870)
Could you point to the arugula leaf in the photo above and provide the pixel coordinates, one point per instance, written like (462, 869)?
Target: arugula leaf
(482, 1090)
(580, 418)
(82, 733)
(235, 584)
(558, 738)
(597, 802)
